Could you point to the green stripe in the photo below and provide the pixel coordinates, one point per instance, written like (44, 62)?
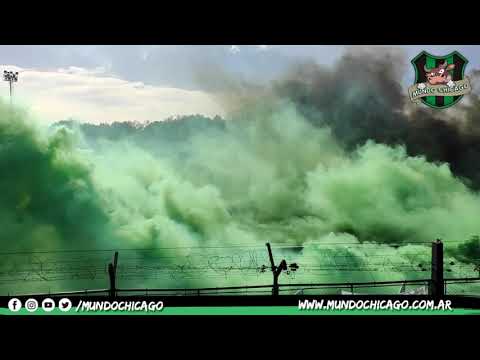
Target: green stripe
(430, 63)
(448, 99)
(247, 310)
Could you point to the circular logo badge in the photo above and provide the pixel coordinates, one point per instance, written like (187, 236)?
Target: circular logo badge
(14, 304)
(48, 305)
(65, 304)
(31, 305)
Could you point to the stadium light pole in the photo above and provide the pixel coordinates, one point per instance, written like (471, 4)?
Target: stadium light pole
(11, 77)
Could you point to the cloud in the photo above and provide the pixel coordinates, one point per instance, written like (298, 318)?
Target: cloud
(75, 70)
(183, 66)
(94, 95)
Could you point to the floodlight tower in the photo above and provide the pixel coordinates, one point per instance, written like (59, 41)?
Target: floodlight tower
(11, 77)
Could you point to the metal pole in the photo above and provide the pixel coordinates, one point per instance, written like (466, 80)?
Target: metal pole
(437, 283)
(274, 271)
(112, 273)
(270, 256)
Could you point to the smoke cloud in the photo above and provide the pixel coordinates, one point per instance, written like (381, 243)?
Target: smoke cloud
(362, 98)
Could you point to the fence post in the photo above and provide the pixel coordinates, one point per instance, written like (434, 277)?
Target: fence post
(276, 270)
(437, 284)
(112, 274)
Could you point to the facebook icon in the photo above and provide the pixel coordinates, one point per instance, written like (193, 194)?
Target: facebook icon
(14, 305)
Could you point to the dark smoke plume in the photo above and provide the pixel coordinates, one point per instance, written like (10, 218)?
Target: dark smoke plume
(362, 98)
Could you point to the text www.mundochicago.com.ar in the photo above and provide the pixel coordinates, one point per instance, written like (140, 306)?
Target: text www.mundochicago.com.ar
(400, 305)
(145, 306)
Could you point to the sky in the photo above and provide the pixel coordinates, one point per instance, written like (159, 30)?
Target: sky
(107, 83)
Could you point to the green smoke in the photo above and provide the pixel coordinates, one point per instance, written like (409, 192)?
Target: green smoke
(208, 202)
(48, 200)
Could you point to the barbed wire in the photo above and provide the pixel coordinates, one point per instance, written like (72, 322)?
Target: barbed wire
(241, 262)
